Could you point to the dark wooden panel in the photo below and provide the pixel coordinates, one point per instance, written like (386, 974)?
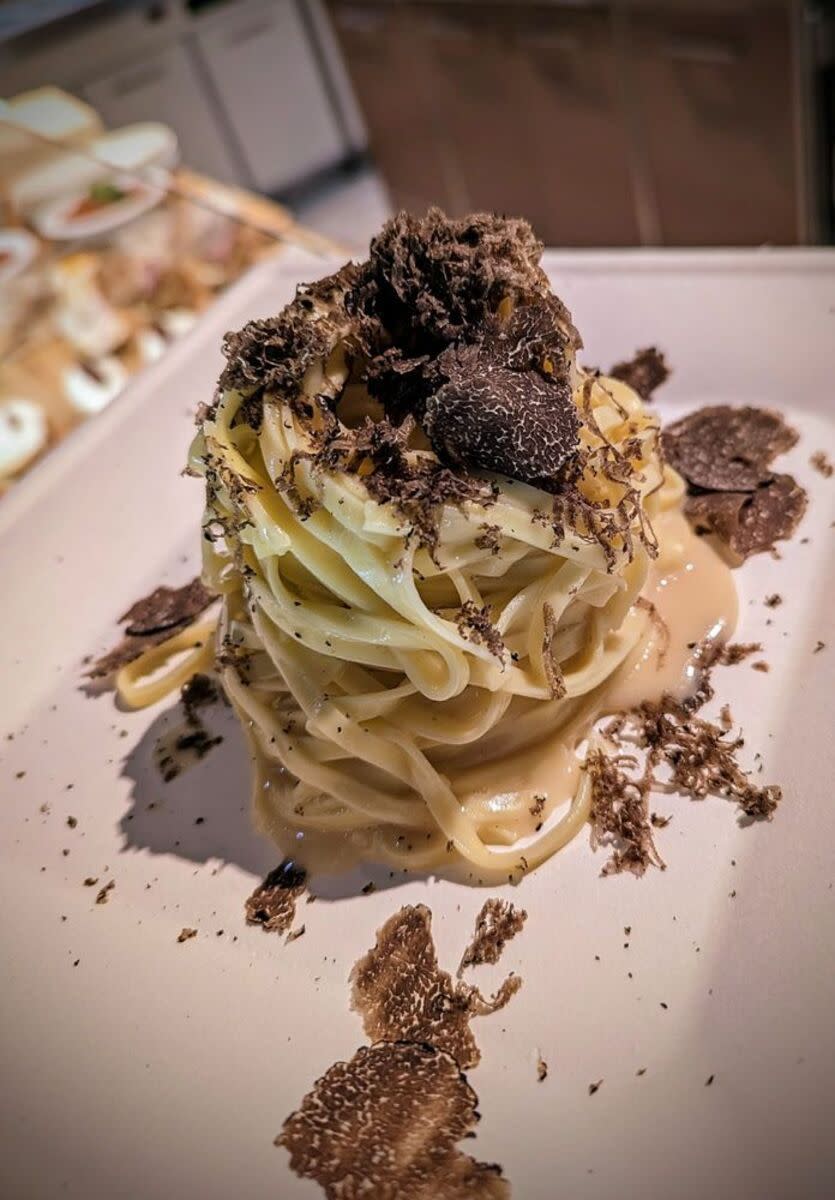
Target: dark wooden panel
(510, 108)
(716, 99)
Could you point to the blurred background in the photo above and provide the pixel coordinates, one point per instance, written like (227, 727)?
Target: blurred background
(151, 152)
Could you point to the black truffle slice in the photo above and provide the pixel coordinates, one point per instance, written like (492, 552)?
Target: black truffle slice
(727, 449)
(512, 422)
(750, 522)
(387, 1124)
(165, 608)
(273, 903)
(403, 995)
(644, 373)
(534, 337)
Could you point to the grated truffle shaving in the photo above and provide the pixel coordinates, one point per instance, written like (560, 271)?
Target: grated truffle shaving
(429, 280)
(416, 486)
(490, 538)
(475, 625)
(386, 1124)
(553, 673)
(699, 758)
(165, 608)
(643, 373)
(273, 355)
(735, 652)
(821, 463)
(620, 816)
(498, 922)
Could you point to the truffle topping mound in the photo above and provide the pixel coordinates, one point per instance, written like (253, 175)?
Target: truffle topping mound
(448, 322)
(430, 280)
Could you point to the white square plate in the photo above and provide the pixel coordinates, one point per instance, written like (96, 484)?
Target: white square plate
(133, 1066)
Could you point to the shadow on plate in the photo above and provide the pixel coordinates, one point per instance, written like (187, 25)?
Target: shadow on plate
(204, 813)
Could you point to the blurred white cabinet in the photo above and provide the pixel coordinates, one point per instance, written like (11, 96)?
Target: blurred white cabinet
(261, 62)
(167, 86)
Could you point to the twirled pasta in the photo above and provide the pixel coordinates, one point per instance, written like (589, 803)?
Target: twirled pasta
(342, 648)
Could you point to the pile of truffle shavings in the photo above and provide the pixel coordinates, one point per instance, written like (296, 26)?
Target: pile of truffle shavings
(452, 327)
(666, 746)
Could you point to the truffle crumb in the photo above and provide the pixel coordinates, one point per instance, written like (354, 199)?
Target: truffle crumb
(72, 822)
(736, 652)
(709, 1080)
(186, 933)
(387, 1124)
(819, 646)
(820, 462)
(474, 625)
(496, 924)
(273, 903)
(196, 693)
(295, 933)
(773, 601)
(541, 1069)
(761, 665)
(538, 806)
(490, 538)
(643, 373)
(103, 894)
(595, 1087)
